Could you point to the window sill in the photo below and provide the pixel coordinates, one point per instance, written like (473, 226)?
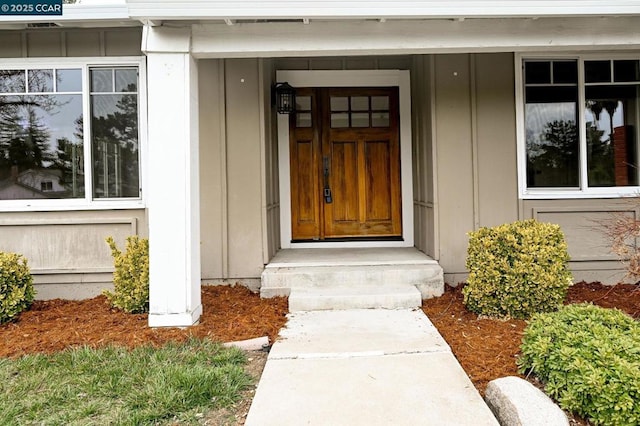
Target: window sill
(550, 194)
(6, 207)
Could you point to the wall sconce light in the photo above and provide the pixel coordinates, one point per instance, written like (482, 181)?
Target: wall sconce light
(285, 98)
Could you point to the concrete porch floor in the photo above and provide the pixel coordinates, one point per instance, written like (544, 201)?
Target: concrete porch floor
(352, 278)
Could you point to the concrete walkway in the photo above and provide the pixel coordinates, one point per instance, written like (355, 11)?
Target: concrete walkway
(364, 367)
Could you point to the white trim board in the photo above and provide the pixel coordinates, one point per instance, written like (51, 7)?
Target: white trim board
(360, 78)
(323, 9)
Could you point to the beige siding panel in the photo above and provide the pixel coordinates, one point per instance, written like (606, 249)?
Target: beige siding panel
(67, 250)
(71, 286)
(243, 168)
(583, 222)
(583, 231)
(212, 169)
(424, 235)
(325, 64)
(496, 139)
(344, 63)
(83, 43)
(10, 44)
(123, 42)
(73, 43)
(454, 162)
(272, 192)
(291, 64)
(360, 63)
(394, 62)
(65, 245)
(68, 241)
(45, 43)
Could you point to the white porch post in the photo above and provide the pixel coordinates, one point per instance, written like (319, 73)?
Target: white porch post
(173, 179)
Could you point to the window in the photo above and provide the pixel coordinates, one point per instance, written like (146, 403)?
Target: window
(580, 120)
(359, 111)
(69, 133)
(46, 185)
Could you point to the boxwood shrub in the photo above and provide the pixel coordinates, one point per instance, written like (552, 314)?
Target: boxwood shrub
(16, 286)
(589, 359)
(516, 269)
(131, 275)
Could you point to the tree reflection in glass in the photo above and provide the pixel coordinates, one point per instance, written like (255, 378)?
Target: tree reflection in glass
(41, 151)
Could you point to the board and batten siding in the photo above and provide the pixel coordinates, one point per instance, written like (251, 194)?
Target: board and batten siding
(474, 134)
(66, 250)
(423, 148)
(58, 42)
(232, 169)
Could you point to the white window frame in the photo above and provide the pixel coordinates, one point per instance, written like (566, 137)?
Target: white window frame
(88, 202)
(563, 193)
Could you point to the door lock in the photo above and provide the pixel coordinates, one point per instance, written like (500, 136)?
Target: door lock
(327, 196)
(327, 189)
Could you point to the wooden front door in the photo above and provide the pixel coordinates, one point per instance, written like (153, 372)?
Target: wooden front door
(345, 164)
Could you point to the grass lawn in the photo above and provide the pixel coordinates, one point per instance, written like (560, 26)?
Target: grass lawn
(114, 385)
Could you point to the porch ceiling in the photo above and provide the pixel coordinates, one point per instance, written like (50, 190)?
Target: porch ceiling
(364, 37)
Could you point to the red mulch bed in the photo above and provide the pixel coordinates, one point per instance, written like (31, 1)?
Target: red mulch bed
(230, 313)
(487, 349)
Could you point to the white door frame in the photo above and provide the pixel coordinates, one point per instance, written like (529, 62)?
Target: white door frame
(367, 78)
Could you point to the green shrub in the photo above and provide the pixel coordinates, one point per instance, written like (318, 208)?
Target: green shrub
(589, 359)
(131, 276)
(16, 286)
(516, 269)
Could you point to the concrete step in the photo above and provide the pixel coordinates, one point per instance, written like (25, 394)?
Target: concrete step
(281, 280)
(354, 297)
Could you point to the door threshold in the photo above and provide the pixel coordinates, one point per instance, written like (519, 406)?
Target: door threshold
(349, 240)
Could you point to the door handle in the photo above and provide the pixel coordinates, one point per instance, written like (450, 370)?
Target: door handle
(327, 189)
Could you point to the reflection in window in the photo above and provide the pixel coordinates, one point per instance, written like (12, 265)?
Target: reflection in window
(114, 134)
(303, 111)
(12, 81)
(42, 133)
(359, 111)
(611, 92)
(610, 120)
(550, 123)
(41, 142)
(40, 81)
